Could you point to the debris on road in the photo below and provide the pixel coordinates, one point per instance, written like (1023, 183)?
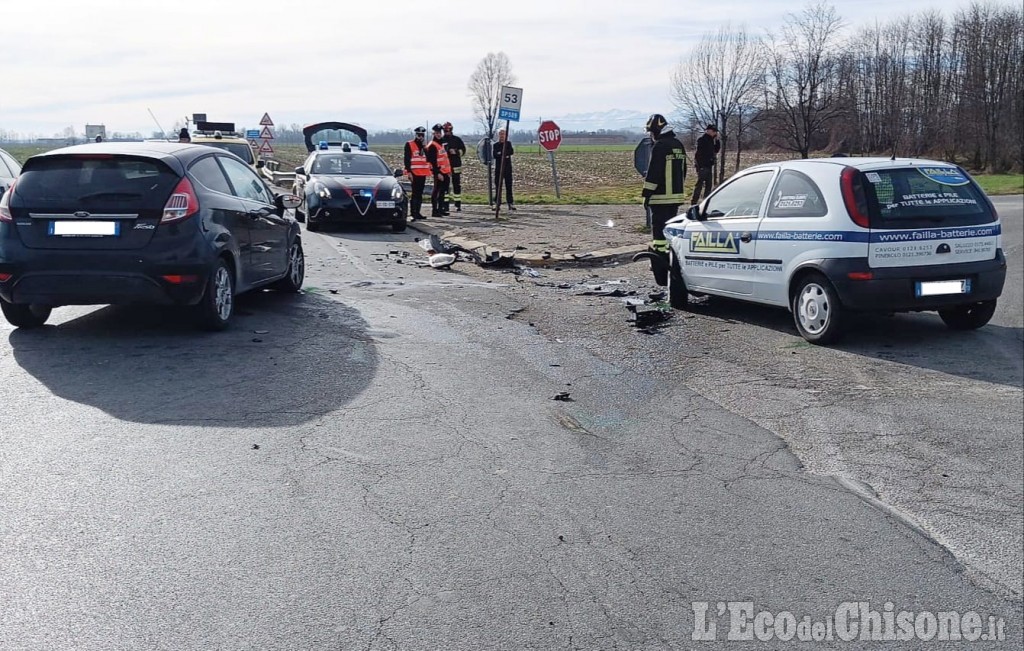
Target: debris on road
(562, 397)
(442, 260)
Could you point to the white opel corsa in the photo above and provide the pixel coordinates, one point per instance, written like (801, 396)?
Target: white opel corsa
(827, 237)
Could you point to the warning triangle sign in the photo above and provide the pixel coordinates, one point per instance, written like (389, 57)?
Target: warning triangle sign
(265, 148)
(253, 143)
(266, 121)
(266, 134)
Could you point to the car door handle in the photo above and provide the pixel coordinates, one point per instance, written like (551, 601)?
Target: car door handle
(745, 237)
(257, 214)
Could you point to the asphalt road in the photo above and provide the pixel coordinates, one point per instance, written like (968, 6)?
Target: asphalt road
(379, 464)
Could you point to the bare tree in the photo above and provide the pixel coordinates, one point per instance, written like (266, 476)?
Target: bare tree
(719, 80)
(493, 72)
(801, 92)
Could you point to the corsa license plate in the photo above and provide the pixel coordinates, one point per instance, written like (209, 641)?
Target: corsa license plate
(385, 204)
(84, 228)
(944, 287)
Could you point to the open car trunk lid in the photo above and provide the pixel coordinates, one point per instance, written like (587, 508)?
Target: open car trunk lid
(334, 133)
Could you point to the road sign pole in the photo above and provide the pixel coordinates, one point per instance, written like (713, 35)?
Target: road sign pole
(554, 175)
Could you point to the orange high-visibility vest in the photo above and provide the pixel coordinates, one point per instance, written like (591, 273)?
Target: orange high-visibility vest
(418, 165)
(442, 157)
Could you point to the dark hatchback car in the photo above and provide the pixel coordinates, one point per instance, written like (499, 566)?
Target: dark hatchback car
(147, 223)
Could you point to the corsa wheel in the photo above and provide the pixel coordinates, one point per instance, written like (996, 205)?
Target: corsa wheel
(968, 317)
(817, 311)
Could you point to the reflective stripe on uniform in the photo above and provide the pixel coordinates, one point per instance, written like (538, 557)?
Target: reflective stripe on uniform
(456, 170)
(666, 199)
(650, 186)
(659, 245)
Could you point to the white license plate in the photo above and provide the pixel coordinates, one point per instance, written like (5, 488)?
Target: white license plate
(70, 228)
(943, 287)
(385, 204)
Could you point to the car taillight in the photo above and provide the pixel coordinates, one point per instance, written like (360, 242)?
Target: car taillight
(5, 204)
(182, 204)
(854, 197)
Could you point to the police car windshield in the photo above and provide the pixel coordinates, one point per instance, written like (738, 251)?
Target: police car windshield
(242, 150)
(937, 193)
(350, 165)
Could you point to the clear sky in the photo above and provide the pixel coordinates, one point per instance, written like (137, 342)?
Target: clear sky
(383, 64)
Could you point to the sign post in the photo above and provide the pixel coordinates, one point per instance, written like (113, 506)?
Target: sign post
(550, 138)
(510, 104)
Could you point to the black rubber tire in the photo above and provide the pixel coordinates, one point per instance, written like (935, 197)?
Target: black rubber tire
(211, 314)
(398, 227)
(817, 311)
(296, 274)
(968, 317)
(25, 315)
(678, 296)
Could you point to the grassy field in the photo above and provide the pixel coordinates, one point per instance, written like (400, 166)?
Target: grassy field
(587, 174)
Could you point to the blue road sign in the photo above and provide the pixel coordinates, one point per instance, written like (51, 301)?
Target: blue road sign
(509, 114)
(252, 134)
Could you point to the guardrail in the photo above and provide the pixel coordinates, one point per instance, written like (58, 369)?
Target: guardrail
(272, 172)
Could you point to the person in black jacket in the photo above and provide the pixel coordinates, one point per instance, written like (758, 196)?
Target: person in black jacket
(456, 150)
(663, 186)
(708, 147)
(503, 150)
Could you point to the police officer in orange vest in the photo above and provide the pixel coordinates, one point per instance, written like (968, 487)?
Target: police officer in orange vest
(418, 169)
(437, 156)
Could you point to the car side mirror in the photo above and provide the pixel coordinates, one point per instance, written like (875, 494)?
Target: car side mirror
(260, 163)
(694, 214)
(300, 171)
(399, 172)
(287, 201)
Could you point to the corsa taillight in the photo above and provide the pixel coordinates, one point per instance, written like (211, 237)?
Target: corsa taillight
(854, 197)
(182, 204)
(5, 204)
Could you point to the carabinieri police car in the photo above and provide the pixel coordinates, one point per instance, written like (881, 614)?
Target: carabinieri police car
(827, 237)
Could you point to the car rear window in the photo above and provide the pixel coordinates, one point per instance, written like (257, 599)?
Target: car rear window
(95, 183)
(926, 196)
(240, 149)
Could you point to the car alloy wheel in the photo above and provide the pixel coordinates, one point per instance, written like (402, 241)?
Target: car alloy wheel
(224, 299)
(297, 265)
(296, 274)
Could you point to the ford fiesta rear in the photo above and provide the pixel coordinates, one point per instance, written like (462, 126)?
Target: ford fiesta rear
(97, 228)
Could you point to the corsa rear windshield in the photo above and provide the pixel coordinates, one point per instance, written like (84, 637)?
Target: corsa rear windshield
(925, 197)
(95, 184)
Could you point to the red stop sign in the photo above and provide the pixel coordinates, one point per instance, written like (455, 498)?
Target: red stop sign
(549, 135)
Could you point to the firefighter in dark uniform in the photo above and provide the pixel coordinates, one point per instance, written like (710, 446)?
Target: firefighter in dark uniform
(418, 169)
(663, 190)
(441, 167)
(502, 155)
(456, 150)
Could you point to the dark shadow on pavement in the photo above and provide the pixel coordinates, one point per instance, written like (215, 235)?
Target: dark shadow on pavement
(993, 353)
(286, 359)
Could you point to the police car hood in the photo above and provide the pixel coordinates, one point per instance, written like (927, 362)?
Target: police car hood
(314, 133)
(361, 182)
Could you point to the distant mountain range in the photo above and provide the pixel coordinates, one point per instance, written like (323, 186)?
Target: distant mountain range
(613, 119)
